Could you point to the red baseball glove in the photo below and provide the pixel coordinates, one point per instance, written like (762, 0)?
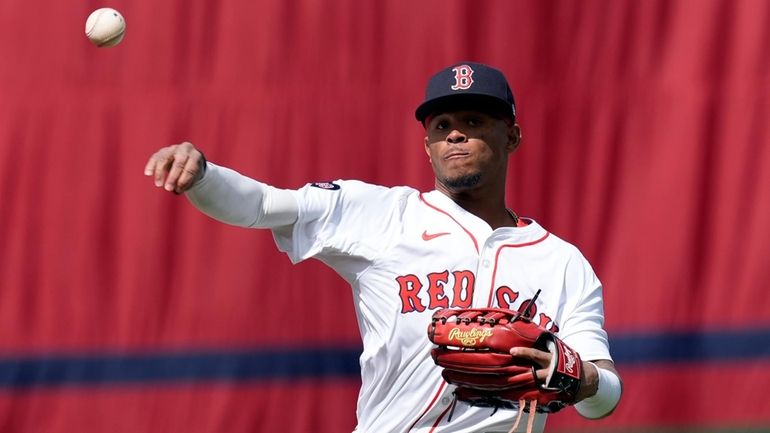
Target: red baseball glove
(473, 348)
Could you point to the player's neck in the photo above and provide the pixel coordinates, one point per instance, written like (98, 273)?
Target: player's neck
(485, 204)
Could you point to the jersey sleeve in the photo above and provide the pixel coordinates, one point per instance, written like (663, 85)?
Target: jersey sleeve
(583, 329)
(349, 218)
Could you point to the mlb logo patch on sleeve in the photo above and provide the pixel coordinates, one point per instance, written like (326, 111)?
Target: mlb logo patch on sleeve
(325, 185)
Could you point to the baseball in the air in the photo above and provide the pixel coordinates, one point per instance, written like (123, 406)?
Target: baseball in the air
(105, 27)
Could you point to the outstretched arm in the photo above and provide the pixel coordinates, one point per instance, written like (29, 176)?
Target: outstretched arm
(219, 192)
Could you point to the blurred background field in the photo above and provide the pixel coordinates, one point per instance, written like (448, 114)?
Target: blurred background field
(122, 309)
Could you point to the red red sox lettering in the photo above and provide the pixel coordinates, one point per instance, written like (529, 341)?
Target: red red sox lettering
(454, 289)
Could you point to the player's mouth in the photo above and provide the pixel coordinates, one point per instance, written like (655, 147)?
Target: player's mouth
(456, 155)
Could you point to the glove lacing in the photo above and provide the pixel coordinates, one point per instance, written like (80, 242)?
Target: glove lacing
(530, 415)
(522, 405)
(452, 409)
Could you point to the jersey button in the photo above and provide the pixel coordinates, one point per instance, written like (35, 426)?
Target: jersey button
(445, 400)
(485, 263)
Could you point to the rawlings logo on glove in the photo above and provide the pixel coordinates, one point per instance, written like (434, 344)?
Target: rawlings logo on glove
(473, 348)
(469, 338)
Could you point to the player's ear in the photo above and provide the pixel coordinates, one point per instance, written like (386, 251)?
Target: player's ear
(514, 136)
(427, 146)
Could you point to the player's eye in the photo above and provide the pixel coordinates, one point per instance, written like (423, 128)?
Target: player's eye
(474, 121)
(442, 124)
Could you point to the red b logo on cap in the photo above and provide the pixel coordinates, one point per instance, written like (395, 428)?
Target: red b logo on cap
(463, 77)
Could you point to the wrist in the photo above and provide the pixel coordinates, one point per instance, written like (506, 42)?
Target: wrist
(589, 382)
(202, 166)
(605, 398)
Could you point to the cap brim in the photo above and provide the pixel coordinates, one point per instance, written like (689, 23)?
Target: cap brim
(464, 102)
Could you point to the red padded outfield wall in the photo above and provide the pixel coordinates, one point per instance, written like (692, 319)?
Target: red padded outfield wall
(122, 309)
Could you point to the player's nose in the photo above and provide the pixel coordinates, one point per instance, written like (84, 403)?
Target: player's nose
(456, 137)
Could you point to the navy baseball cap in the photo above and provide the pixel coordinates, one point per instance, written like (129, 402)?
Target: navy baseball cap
(467, 86)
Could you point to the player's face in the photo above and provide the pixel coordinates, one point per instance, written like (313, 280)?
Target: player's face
(469, 148)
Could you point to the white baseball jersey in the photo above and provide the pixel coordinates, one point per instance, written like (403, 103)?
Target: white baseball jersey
(407, 254)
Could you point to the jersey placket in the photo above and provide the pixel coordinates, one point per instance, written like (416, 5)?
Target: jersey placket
(484, 273)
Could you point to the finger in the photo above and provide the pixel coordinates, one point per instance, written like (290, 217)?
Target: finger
(149, 168)
(538, 357)
(177, 165)
(542, 374)
(190, 173)
(543, 359)
(157, 165)
(152, 162)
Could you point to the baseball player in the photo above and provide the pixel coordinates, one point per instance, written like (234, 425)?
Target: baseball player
(407, 254)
